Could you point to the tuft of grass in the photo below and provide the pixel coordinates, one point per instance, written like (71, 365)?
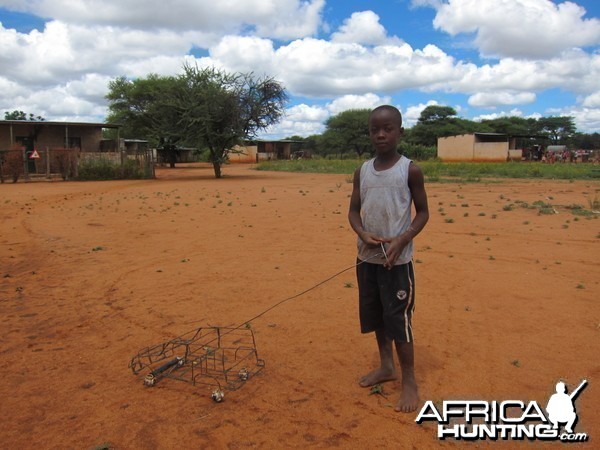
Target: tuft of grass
(543, 207)
(376, 389)
(104, 446)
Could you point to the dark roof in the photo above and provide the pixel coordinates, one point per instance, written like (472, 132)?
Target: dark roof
(54, 123)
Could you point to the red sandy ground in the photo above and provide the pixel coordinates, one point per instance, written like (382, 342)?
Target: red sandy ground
(92, 272)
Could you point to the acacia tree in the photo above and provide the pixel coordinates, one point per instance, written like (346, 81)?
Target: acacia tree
(559, 128)
(435, 113)
(144, 107)
(218, 110)
(512, 126)
(140, 106)
(438, 121)
(348, 130)
(203, 108)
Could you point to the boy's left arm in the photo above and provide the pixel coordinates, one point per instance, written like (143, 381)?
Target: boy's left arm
(416, 184)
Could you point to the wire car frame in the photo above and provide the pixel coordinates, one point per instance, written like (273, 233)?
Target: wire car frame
(219, 357)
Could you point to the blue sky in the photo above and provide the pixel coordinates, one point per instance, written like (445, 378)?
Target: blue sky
(485, 58)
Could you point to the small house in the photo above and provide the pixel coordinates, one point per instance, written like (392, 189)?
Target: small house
(477, 147)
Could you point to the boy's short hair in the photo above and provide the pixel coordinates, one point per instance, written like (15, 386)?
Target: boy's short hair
(389, 108)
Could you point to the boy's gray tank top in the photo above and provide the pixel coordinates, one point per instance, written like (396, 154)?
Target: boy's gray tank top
(385, 201)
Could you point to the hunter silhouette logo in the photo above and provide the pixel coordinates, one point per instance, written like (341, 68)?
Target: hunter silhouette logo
(507, 419)
(561, 407)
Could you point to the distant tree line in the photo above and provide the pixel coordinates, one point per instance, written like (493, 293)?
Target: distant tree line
(347, 135)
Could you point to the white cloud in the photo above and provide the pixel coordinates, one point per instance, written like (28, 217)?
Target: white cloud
(304, 120)
(363, 28)
(67, 64)
(432, 3)
(62, 51)
(8, 91)
(291, 19)
(587, 119)
(493, 99)
(282, 19)
(592, 101)
(245, 54)
(519, 28)
(366, 101)
(574, 71)
(58, 103)
(315, 67)
(512, 113)
(306, 113)
(300, 120)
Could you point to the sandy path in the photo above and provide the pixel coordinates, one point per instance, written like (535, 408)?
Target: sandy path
(507, 304)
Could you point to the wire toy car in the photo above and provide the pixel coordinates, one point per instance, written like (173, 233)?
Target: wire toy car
(219, 357)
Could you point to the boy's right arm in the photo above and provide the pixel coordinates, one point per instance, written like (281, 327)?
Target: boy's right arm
(354, 214)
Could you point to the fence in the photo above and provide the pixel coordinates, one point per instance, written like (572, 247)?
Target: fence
(51, 163)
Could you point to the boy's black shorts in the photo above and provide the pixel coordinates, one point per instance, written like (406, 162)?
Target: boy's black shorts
(386, 299)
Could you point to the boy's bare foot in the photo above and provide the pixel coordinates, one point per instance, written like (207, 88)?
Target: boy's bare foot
(377, 376)
(409, 399)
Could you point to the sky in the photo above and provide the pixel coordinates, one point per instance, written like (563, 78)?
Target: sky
(484, 58)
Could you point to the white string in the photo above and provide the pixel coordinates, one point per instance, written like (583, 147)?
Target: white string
(311, 288)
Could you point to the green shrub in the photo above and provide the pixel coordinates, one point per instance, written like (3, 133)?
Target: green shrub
(97, 169)
(417, 152)
(104, 169)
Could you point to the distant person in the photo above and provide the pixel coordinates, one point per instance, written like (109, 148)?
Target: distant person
(380, 214)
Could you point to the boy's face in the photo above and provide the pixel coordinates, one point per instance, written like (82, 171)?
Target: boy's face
(385, 131)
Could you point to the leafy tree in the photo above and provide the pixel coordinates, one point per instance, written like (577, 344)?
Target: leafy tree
(348, 130)
(20, 115)
(312, 143)
(558, 128)
(218, 110)
(439, 121)
(435, 113)
(144, 108)
(512, 126)
(586, 141)
(205, 108)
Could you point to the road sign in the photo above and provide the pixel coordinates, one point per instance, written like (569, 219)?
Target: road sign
(34, 154)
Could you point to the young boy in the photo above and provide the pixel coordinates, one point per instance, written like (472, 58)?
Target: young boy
(380, 214)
